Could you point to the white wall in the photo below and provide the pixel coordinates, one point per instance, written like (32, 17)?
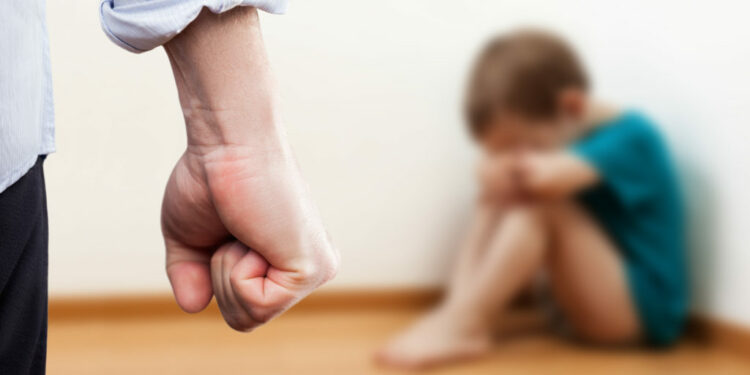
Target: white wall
(371, 93)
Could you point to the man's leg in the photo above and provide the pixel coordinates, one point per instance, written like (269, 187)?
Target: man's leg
(23, 275)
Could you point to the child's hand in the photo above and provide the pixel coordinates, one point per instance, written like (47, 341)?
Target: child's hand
(498, 178)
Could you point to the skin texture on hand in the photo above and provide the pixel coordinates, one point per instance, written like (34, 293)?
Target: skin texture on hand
(237, 217)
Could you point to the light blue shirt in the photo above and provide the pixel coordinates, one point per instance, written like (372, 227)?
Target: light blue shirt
(141, 25)
(26, 108)
(26, 114)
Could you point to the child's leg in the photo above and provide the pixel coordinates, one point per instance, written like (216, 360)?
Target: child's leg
(586, 270)
(474, 245)
(460, 327)
(588, 279)
(512, 256)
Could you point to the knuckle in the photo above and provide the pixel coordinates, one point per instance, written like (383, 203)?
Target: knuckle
(523, 213)
(331, 267)
(242, 320)
(241, 325)
(307, 272)
(263, 315)
(318, 271)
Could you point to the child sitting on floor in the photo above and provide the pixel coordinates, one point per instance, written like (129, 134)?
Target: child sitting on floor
(582, 191)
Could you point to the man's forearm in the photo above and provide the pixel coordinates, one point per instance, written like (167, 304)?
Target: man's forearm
(224, 82)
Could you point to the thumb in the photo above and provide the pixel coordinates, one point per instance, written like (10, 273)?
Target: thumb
(190, 275)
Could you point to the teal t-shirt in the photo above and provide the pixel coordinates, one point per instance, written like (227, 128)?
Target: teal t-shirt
(638, 203)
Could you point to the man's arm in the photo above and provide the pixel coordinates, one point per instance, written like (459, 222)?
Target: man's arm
(237, 217)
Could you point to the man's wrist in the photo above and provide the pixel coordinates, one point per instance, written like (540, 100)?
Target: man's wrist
(208, 129)
(223, 80)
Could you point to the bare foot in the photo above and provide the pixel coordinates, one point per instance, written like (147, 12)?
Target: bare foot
(438, 338)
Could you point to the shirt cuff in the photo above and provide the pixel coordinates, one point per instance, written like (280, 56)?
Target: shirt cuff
(141, 25)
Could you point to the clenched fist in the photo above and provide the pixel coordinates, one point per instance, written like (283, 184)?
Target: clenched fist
(237, 217)
(240, 225)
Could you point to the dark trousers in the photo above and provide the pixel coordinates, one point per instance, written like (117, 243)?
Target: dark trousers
(23, 275)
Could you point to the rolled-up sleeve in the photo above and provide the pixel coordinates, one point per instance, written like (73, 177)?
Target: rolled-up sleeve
(141, 25)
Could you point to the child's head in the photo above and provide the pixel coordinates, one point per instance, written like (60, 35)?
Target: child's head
(524, 90)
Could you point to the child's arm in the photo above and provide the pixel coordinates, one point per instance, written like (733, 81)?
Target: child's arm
(554, 175)
(498, 179)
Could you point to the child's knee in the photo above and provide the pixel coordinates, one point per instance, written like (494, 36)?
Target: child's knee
(539, 213)
(539, 219)
(526, 217)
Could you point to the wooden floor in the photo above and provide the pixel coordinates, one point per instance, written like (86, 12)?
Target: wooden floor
(322, 341)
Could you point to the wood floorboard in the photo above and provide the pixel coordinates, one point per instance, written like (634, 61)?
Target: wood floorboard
(333, 341)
